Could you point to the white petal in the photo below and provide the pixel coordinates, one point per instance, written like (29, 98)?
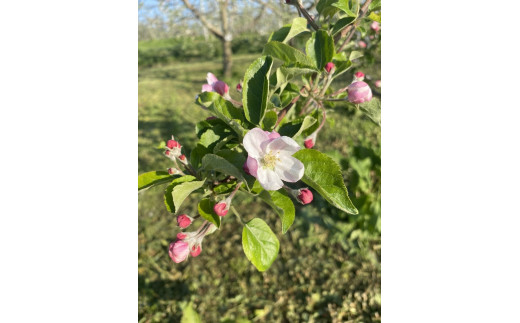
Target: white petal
(211, 78)
(253, 141)
(289, 169)
(269, 180)
(285, 145)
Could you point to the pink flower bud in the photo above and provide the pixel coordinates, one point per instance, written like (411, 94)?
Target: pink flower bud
(329, 67)
(221, 87)
(173, 143)
(359, 92)
(375, 26)
(174, 171)
(305, 196)
(195, 251)
(183, 160)
(377, 83)
(221, 209)
(167, 153)
(371, 37)
(239, 87)
(179, 251)
(184, 221)
(359, 75)
(309, 143)
(362, 44)
(181, 235)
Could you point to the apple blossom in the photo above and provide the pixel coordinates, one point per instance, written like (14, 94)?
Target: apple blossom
(179, 251)
(375, 26)
(362, 44)
(359, 92)
(214, 85)
(190, 242)
(377, 83)
(270, 158)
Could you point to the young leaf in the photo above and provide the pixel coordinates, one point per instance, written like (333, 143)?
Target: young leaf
(344, 6)
(287, 54)
(269, 120)
(282, 205)
(287, 32)
(181, 191)
(219, 164)
(372, 109)
(375, 17)
(206, 211)
(256, 88)
(296, 127)
(168, 198)
(150, 179)
(324, 175)
(260, 244)
(325, 8)
(189, 315)
(342, 23)
(323, 48)
(355, 54)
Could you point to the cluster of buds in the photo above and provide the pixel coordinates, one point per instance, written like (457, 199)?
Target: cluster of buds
(173, 149)
(189, 243)
(303, 195)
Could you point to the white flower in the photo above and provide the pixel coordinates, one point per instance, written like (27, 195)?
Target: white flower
(270, 158)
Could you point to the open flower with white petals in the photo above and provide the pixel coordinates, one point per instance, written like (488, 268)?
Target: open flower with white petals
(270, 158)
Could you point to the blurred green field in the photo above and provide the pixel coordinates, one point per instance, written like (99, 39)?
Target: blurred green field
(328, 269)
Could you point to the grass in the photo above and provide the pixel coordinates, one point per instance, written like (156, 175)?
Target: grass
(328, 269)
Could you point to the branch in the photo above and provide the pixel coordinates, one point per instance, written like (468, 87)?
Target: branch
(214, 30)
(352, 28)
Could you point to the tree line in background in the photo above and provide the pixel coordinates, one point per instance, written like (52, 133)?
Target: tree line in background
(222, 20)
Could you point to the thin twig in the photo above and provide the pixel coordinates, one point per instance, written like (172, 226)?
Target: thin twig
(351, 29)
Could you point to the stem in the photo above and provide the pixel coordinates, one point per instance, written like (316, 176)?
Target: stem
(351, 29)
(238, 215)
(235, 190)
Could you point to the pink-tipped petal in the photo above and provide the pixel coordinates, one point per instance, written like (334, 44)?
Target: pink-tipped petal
(252, 166)
(211, 78)
(178, 251)
(284, 145)
(359, 92)
(207, 88)
(289, 169)
(269, 180)
(252, 142)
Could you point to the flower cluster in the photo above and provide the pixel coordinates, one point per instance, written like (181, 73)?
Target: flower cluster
(189, 243)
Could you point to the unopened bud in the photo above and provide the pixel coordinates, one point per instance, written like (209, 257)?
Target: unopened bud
(310, 141)
(195, 251)
(172, 143)
(221, 208)
(178, 251)
(183, 160)
(184, 221)
(362, 44)
(181, 235)
(330, 67)
(359, 92)
(377, 83)
(305, 196)
(360, 76)
(221, 87)
(167, 153)
(375, 26)
(239, 87)
(173, 171)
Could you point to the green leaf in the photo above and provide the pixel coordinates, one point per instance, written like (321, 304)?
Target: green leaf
(324, 175)
(344, 6)
(375, 17)
(326, 8)
(181, 191)
(206, 211)
(196, 155)
(150, 179)
(287, 32)
(224, 110)
(269, 120)
(168, 198)
(260, 244)
(282, 205)
(287, 54)
(219, 164)
(256, 88)
(355, 54)
(296, 127)
(341, 24)
(189, 315)
(375, 5)
(342, 67)
(323, 48)
(372, 109)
